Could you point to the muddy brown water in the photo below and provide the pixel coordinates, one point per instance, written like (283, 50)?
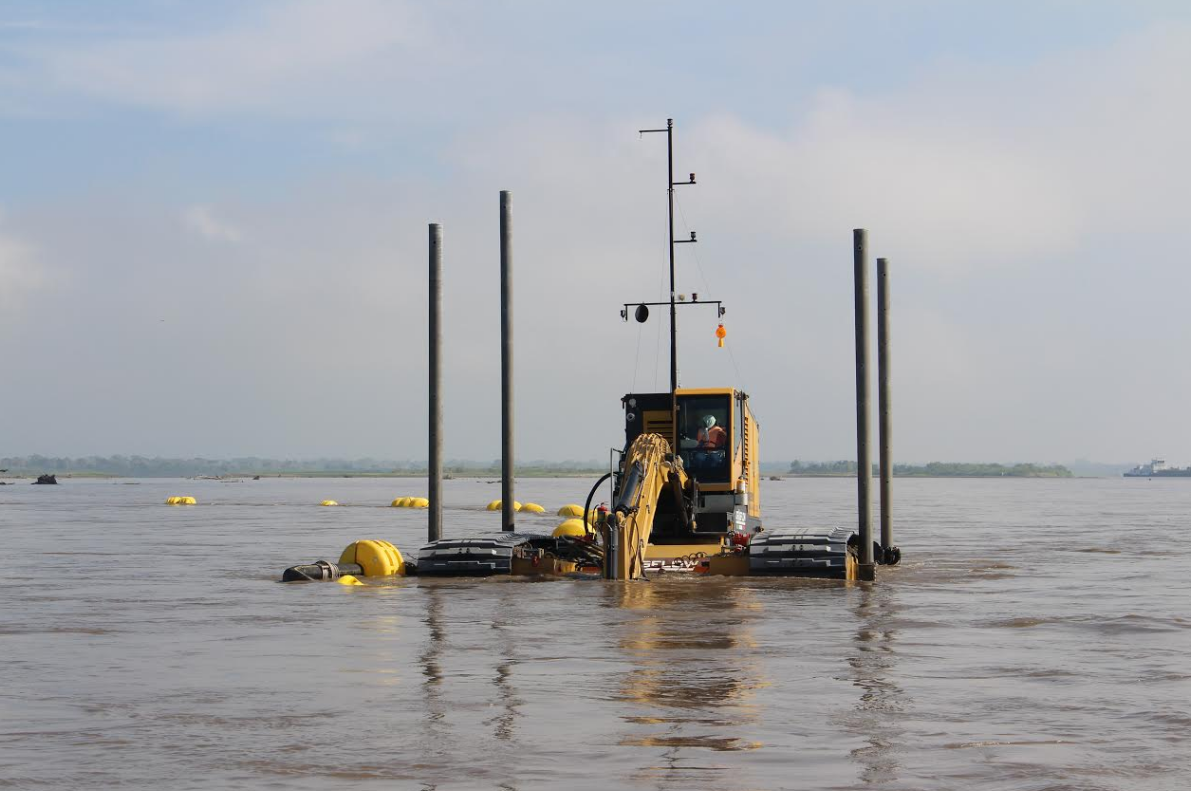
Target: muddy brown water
(1038, 636)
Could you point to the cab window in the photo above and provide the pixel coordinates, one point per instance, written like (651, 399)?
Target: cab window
(704, 425)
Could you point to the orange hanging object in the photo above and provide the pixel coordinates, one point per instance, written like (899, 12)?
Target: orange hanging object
(720, 332)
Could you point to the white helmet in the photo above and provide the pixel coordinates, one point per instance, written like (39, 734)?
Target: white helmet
(708, 421)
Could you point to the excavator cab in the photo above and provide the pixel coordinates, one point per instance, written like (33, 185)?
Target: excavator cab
(705, 436)
(713, 435)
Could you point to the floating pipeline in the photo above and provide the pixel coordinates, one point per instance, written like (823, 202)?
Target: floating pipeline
(571, 550)
(530, 554)
(575, 547)
(496, 554)
(365, 558)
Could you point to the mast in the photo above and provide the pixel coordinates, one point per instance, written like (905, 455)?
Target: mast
(670, 185)
(673, 309)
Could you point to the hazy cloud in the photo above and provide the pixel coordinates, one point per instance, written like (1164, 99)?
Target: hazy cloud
(22, 273)
(257, 61)
(202, 220)
(977, 169)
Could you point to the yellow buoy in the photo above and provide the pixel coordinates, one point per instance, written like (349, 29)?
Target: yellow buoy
(400, 502)
(377, 558)
(570, 527)
(418, 502)
(348, 579)
(497, 505)
(181, 501)
(328, 502)
(532, 508)
(571, 510)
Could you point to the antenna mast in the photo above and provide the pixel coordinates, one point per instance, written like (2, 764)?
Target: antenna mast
(670, 185)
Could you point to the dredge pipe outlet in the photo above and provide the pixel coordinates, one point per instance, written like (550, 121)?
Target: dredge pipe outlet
(321, 571)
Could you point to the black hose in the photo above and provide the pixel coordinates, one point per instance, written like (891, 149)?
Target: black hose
(590, 495)
(587, 525)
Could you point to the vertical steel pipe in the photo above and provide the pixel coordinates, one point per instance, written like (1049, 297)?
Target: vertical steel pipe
(864, 463)
(434, 523)
(884, 405)
(506, 360)
(673, 310)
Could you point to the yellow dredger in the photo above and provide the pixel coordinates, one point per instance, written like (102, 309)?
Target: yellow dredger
(697, 510)
(686, 497)
(694, 510)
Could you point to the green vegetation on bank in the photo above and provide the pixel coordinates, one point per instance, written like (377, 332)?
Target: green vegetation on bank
(157, 467)
(936, 469)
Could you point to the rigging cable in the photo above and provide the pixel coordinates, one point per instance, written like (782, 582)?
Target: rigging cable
(703, 277)
(657, 353)
(637, 357)
(694, 250)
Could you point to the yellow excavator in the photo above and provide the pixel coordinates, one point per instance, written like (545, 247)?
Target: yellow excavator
(697, 510)
(685, 494)
(685, 509)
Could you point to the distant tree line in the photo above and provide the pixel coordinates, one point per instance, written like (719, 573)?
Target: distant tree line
(159, 467)
(936, 469)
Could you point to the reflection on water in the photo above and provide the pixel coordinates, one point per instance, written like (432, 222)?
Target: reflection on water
(874, 718)
(490, 654)
(434, 713)
(691, 675)
(505, 638)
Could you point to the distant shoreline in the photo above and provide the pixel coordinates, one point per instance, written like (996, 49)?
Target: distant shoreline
(495, 477)
(939, 477)
(248, 476)
(250, 467)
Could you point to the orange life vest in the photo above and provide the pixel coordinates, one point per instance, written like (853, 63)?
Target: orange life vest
(714, 437)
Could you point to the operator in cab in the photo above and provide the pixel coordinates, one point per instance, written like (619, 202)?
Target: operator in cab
(711, 436)
(711, 442)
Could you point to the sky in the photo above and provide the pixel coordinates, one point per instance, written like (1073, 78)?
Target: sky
(213, 222)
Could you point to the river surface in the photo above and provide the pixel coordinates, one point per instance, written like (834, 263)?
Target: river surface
(1037, 636)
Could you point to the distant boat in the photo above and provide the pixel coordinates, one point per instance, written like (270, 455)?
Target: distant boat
(1158, 468)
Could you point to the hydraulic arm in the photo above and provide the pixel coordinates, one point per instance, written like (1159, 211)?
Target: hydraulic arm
(649, 469)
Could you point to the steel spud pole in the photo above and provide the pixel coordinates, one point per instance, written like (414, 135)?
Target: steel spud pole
(884, 405)
(864, 463)
(434, 523)
(506, 360)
